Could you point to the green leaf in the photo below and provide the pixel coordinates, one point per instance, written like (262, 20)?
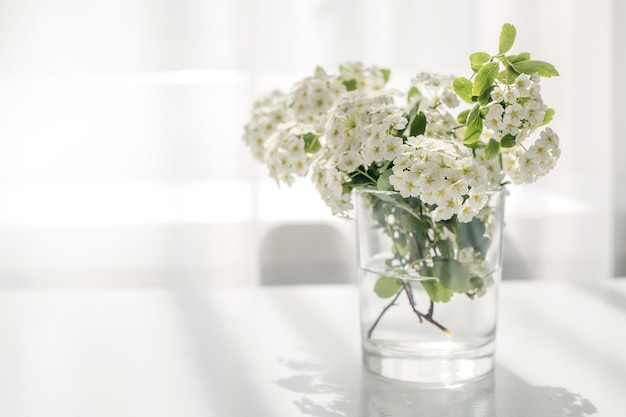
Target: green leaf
(485, 78)
(452, 274)
(473, 114)
(386, 286)
(507, 38)
(524, 56)
(508, 141)
(399, 246)
(508, 76)
(478, 59)
(387, 198)
(410, 117)
(437, 292)
(450, 224)
(462, 117)
(350, 84)
(383, 183)
(412, 92)
(411, 223)
(311, 143)
(463, 88)
(446, 248)
(386, 73)
(418, 125)
(492, 149)
(477, 283)
(474, 126)
(473, 132)
(472, 235)
(548, 117)
(543, 68)
(485, 97)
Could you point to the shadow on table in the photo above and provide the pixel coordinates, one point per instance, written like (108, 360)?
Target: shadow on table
(501, 394)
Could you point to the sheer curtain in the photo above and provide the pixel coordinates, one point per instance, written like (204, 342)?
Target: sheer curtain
(121, 159)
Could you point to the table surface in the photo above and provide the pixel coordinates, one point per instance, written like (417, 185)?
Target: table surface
(292, 351)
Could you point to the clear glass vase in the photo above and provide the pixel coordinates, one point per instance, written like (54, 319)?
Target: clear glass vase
(428, 290)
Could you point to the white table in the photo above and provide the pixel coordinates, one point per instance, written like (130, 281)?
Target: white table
(292, 351)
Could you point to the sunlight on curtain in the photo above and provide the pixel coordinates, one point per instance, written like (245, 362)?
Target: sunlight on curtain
(121, 157)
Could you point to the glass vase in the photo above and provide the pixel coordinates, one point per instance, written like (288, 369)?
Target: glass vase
(428, 289)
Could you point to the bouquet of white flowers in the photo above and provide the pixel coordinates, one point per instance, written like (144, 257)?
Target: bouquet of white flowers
(347, 130)
(443, 145)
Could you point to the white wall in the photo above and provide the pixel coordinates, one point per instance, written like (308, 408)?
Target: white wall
(121, 159)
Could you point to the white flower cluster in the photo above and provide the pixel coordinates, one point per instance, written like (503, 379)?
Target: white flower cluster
(443, 173)
(347, 129)
(268, 113)
(358, 133)
(285, 154)
(525, 166)
(436, 166)
(518, 109)
(436, 97)
(276, 140)
(281, 123)
(312, 97)
(517, 112)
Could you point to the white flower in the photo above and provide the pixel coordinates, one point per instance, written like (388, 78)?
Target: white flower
(535, 112)
(392, 147)
(402, 161)
(373, 151)
(493, 118)
(335, 132)
(515, 114)
(407, 184)
(528, 167)
(511, 95)
(551, 138)
(476, 199)
(449, 98)
(447, 206)
(396, 121)
(509, 126)
(466, 214)
(430, 180)
(349, 161)
(534, 91)
(495, 111)
(497, 95)
(522, 83)
(341, 205)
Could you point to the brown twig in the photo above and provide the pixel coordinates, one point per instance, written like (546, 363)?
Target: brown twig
(429, 316)
(387, 307)
(406, 288)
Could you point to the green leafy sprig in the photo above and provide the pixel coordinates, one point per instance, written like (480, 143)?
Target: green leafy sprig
(428, 249)
(491, 71)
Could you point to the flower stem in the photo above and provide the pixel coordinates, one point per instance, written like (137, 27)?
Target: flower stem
(406, 288)
(429, 316)
(365, 174)
(369, 333)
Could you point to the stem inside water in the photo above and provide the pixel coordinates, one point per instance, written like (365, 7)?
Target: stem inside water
(408, 290)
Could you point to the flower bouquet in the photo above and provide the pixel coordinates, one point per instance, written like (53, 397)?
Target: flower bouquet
(428, 168)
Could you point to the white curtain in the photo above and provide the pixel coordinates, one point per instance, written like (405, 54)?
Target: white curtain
(121, 159)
